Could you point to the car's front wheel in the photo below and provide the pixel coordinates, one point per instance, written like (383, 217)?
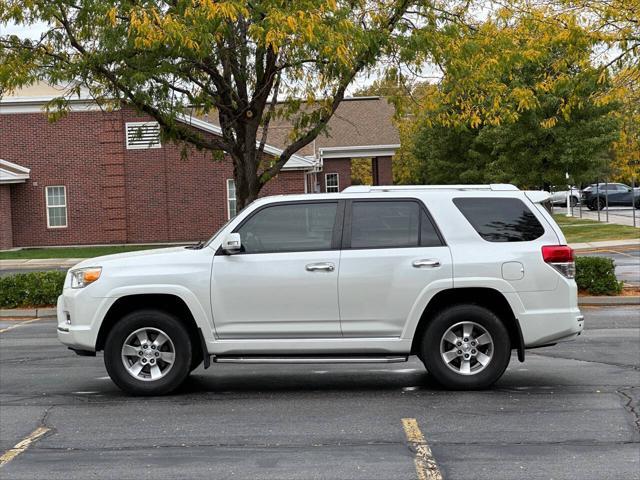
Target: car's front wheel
(148, 352)
(597, 203)
(466, 347)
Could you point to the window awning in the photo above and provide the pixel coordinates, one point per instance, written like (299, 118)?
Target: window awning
(12, 172)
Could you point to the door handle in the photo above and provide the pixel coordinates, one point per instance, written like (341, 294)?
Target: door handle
(317, 267)
(426, 263)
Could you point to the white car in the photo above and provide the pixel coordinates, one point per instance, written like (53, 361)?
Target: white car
(559, 197)
(458, 275)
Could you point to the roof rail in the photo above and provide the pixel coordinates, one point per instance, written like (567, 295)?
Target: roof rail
(496, 187)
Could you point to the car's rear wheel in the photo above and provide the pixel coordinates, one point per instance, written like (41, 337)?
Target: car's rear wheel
(148, 352)
(466, 347)
(573, 201)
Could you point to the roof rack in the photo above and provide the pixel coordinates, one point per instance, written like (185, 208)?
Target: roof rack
(496, 187)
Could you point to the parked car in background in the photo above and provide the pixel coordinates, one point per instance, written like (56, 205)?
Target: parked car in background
(598, 195)
(559, 197)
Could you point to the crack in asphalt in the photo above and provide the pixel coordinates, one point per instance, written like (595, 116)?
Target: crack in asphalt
(16, 361)
(101, 398)
(45, 417)
(629, 405)
(573, 443)
(621, 365)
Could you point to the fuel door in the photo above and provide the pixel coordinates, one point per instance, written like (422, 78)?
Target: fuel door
(512, 271)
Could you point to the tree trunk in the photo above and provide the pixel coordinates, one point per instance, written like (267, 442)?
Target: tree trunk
(245, 175)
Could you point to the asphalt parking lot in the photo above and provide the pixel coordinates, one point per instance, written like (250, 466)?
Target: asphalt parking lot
(569, 412)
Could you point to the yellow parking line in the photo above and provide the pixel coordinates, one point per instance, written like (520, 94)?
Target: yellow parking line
(19, 325)
(21, 446)
(426, 466)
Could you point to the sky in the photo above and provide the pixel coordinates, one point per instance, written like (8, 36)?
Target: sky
(32, 31)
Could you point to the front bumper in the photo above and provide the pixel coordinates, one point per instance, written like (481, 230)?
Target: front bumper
(76, 313)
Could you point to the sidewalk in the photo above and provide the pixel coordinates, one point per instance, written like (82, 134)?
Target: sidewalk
(615, 215)
(632, 242)
(32, 264)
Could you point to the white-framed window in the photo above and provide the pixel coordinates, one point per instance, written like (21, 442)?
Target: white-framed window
(331, 182)
(56, 199)
(231, 198)
(142, 135)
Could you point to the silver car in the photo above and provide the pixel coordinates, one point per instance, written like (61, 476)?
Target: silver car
(560, 197)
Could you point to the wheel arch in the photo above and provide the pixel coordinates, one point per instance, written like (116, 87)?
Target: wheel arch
(485, 297)
(167, 302)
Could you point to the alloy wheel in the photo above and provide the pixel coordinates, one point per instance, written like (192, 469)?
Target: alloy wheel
(466, 348)
(148, 354)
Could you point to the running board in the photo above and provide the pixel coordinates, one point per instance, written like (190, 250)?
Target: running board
(292, 359)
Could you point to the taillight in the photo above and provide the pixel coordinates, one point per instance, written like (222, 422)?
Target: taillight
(560, 257)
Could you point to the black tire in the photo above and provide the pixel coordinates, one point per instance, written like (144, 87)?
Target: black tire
(153, 319)
(437, 366)
(573, 201)
(597, 203)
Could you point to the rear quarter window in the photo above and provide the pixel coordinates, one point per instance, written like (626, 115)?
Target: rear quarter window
(500, 219)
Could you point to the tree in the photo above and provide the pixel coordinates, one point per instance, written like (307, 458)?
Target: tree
(616, 24)
(246, 61)
(519, 102)
(626, 149)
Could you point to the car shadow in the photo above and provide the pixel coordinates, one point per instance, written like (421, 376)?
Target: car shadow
(314, 380)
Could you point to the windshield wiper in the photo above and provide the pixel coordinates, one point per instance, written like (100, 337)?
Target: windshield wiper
(197, 246)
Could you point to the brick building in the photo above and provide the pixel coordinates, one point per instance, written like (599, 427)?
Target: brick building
(104, 177)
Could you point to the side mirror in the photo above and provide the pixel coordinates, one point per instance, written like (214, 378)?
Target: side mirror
(232, 244)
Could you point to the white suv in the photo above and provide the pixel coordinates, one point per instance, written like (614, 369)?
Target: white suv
(458, 275)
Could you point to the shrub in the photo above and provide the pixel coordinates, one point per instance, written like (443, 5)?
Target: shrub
(597, 276)
(34, 289)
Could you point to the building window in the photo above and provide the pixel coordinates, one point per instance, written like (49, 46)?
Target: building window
(56, 198)
(142, 135)
(231, 198)
(332, 183)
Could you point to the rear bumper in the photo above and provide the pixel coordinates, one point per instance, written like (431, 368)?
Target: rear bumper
(551, 327)
(550, 316)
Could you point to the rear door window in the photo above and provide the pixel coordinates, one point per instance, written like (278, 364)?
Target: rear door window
(391, 224)
(500, 219)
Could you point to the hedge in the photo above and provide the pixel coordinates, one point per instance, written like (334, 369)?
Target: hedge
(34, 289)
(597, 276)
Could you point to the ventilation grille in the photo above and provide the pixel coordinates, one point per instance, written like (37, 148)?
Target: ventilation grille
(142, 135)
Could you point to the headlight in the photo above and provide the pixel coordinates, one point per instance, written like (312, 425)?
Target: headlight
(84, 276)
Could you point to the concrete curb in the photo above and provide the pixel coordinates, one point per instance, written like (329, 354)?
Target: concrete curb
(28, 313)
(604, 300)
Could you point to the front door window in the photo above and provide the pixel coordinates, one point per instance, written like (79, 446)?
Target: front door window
(300, 227)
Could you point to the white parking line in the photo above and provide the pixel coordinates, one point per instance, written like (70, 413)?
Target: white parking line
(19, 325)
(21, 446)
(426, 466)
